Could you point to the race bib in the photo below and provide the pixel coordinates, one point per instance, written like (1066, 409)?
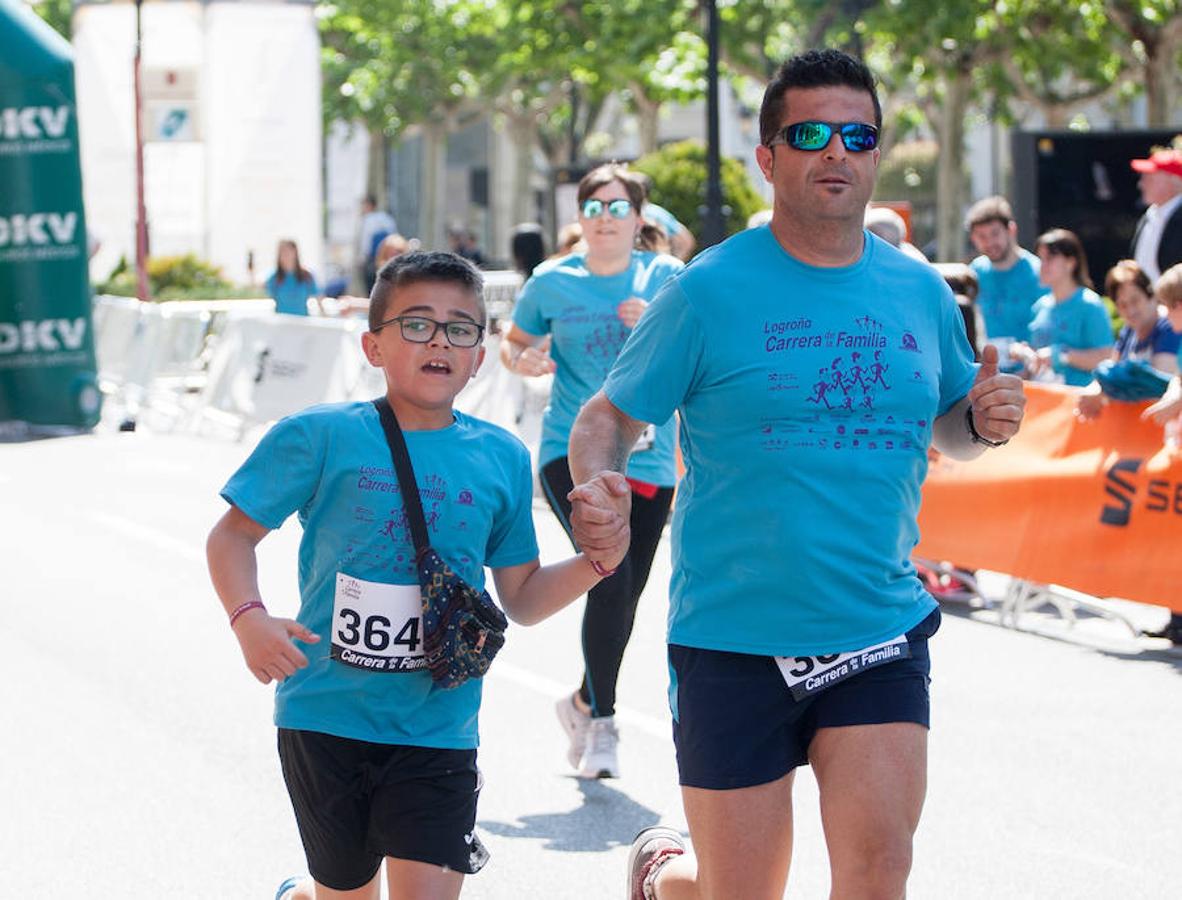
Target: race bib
(646, 439)
(809, 675)
(377, 626)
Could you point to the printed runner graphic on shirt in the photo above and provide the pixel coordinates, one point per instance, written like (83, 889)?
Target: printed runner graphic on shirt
(839, 405)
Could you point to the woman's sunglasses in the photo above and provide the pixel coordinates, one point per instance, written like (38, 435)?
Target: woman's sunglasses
(617, 209)
(857, 137)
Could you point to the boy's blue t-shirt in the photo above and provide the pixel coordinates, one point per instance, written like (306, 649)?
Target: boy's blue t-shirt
(564, 299)
(1078, 323)
(1007, 296)
(1163, 339)
(331, 465)
(291, 295)
(807, 397)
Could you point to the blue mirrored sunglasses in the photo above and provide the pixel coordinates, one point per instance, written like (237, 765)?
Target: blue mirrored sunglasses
(617, 209)
(858, 137)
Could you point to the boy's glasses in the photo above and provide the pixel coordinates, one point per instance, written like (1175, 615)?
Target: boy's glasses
(617, 209)
(858, 137)
(421, 330)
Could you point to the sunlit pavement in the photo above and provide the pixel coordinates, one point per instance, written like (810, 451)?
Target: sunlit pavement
(137, 755)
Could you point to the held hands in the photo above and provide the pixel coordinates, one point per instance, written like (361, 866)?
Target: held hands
(267, 646)
(533, 362)
(601, 510)
(998, 401)
(631, 310)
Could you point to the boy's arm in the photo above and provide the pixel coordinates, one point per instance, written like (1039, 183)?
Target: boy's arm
(266, 640)
(531, 592)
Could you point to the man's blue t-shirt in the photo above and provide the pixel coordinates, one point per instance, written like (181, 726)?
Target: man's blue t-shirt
(662, 217)
(1078, 323)
(1007, 296)
(807, 397)
(291, 295)
(1162, 339)
(331, 465)
(564, 299)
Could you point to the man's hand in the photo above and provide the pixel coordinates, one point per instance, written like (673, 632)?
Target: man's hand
(1089, 405)
(997, 399)
(600, 513)
(267, 646)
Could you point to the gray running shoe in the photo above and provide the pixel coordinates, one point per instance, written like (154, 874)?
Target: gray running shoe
(600, 756)
(574, 722)
(651, 849)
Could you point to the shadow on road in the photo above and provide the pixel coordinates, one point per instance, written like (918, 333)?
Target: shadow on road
(607, 819)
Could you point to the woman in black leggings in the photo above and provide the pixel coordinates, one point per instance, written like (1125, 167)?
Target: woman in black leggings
(586, 304)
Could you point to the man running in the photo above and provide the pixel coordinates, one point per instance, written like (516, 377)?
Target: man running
(798, 628)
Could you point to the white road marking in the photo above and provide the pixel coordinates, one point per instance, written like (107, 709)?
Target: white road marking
(147, 534)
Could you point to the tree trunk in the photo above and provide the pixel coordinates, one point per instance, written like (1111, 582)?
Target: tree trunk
(950, 166)
(377, 179)
(433, 186)
(648, 119)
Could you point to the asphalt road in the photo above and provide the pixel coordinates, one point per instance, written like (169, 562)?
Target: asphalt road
(137, 755)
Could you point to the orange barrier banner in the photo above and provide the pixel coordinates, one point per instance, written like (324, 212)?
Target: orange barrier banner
(1095, 506)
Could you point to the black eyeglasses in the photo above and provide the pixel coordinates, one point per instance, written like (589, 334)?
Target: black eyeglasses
(421, 330)
(858, 137)
(617, 209)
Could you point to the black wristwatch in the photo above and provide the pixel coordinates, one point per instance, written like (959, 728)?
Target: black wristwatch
(974, 435)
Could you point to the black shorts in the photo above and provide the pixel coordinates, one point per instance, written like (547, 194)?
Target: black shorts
(356, 803)
(736, 724)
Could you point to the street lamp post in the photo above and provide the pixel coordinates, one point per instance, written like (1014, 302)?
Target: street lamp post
(712, 224)
(141, 212)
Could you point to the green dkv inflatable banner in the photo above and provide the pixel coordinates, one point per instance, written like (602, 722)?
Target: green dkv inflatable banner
(47, 364)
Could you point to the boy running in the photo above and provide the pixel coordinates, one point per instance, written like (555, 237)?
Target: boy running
(380, 763)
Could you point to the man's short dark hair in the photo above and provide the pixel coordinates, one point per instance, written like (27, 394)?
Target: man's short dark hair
(991, 209)
(410, 268)
(814, 69)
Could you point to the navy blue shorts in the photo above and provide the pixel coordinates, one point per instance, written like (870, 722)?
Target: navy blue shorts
(737, 725)
(357, 802)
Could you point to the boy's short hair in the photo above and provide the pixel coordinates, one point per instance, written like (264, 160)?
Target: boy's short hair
(1168, 289)
(814, 69)
(991, 209)
(423, 266)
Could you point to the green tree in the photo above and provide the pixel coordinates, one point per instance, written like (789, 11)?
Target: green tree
(58, 13)
(678, 172)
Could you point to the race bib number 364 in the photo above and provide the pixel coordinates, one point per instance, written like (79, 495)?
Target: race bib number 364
(808, 675)
(377, 627)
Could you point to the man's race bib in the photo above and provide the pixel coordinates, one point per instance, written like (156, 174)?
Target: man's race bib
(808, 675)
(377, 626)
(646, 439)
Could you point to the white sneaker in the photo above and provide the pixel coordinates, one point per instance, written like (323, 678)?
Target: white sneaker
(574, 722)
(600, 758)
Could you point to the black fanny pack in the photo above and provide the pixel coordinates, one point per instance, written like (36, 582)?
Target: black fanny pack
(462, 628)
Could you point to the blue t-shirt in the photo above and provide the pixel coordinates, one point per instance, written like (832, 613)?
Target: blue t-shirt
(331, 465)
(1163, 339)
(1006, 296)
(807, 397)
(1078, 323)
(291, 295)
(564, 299)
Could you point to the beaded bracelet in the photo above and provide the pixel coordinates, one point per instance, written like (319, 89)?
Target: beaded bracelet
(244, 608)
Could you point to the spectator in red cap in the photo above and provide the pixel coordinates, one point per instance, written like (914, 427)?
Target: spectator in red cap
(1157, 243)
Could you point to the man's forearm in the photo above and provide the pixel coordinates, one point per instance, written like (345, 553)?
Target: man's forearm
(951, 436)
(601, 439)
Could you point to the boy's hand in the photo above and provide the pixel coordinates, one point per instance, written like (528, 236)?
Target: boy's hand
(267, 646)
(600, 513)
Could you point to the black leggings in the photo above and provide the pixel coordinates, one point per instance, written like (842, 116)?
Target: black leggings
(611, 604)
